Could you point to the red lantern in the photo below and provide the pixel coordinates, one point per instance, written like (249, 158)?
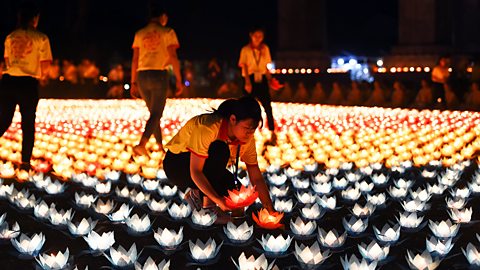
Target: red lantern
(268, 220)
(241, 198)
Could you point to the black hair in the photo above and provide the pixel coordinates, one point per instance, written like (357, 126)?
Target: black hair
(256, 28)
(243, 108)
(157, 9)
(26, 12)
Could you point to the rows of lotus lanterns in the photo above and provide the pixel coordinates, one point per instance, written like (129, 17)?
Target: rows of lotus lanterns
(357, 179)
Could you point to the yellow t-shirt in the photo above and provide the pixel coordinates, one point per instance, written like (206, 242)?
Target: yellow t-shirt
(255, 59)
(200, 131)
(153, 41)
(25, 49)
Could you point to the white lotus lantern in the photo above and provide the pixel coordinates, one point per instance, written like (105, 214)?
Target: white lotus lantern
(53, 261)
(203, 217)
(456, 202)
(373, 252)
(363, 211)
(284, 206)
(42, 210)
(179, 211)
(415, 205)
(364, 187)
(167, 191)
(29, 245)
(121, 257)
(9, 233)
(161, 174)
(310, 167)
(169, 239)
(377, 199)
(312, 211)
(121, 214)
(332, 239)
(444, 229)
(134, 179)
(379, 179)
(353, 177)
(409, 220)
(291, 172)
(368, 170)
(89, 181)
(6, 190)
(61, 217)
(112, 176)
(403, 184)
(322, 178)
(422, 261)
(122, 193)
(25, 202)
(151, 265)
(300, 183)
(305, 197)
(436, 189)
(103, 187)
(332, 171)
(340, 183)
(388, 234)
(351, 194)
(355, 263)
(84, 200)
(461, 192)
(272, 168)
(299, 227)
(158, 206)
(84, 227)
(276, 245)
(397, 193)
(139, 197)
(355, 225)
(461, 216)
(327, 202)
(310, 256)
(279, 191)
(346, 166)
(322, 188)
(428, 174)
(420, 194)
(439, 246)
(150, 184)
(277, 179)
(102, 207)
(98, 242)
(474, 187)
(2, 218)
(251, 263)
(240, 233)
(202, 252)
(137, 224)
(54, 187)
(472, 254)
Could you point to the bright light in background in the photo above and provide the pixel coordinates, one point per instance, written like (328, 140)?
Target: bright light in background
(271, 66)
(353, 62)
(380, 62)
(340, 61)
(126, 86)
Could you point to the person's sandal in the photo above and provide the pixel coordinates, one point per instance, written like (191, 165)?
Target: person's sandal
(194, 199)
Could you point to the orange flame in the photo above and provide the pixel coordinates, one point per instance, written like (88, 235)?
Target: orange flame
(268, 220)
(241, 198)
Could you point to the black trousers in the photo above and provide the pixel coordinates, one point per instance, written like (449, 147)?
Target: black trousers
(261, 92)
(21, 91)
(177, 169)
(439, 92)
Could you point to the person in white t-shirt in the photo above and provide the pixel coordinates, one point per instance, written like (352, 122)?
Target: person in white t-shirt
(27, 58)
(154, 51)
(254, 58)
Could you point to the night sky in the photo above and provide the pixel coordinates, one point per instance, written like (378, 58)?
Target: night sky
(103, 30)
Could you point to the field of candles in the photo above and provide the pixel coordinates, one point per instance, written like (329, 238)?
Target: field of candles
(353, 188)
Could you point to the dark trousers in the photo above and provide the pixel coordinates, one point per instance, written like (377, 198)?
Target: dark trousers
(21, 91)
(439, 92)
(177, 169)
(261, 92)
(152, 85)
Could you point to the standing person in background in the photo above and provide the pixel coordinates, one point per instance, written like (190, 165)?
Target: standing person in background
(154, 49)
(27, 58)
(253, 61)
(440, 76)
